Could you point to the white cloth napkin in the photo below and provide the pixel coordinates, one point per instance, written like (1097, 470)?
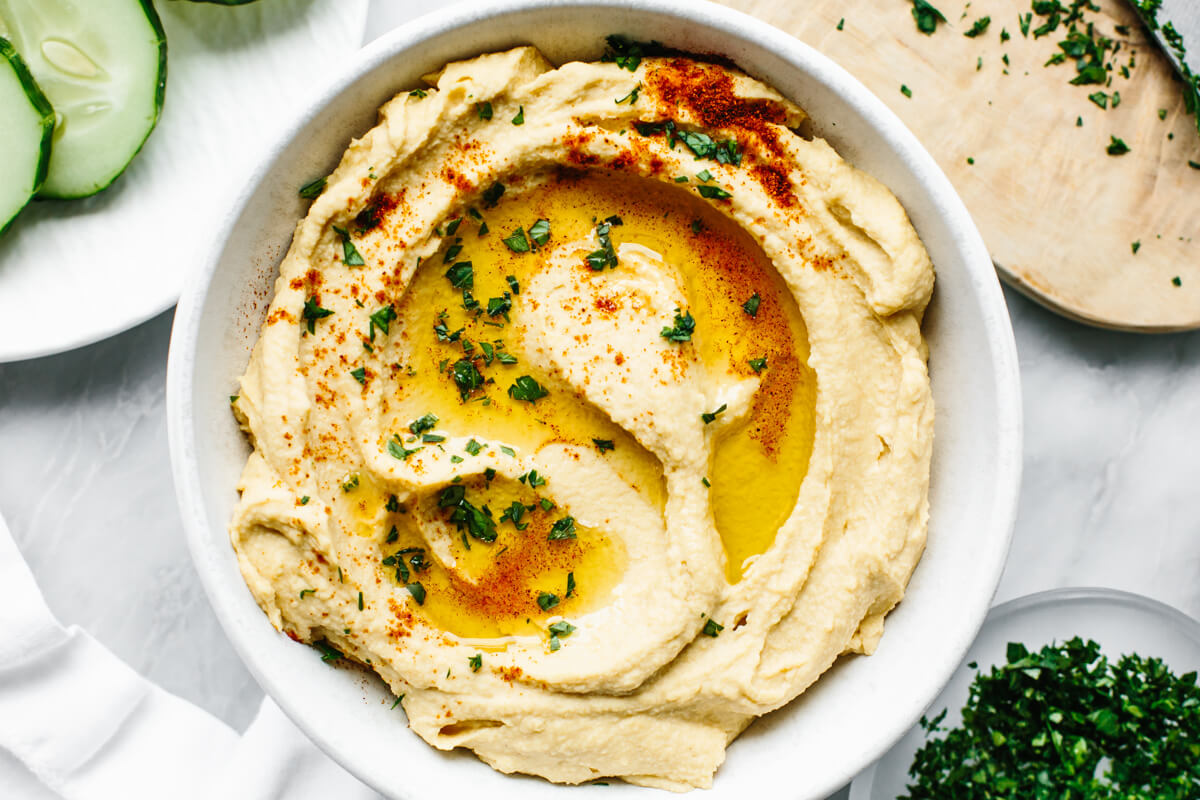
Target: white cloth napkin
(77, 723)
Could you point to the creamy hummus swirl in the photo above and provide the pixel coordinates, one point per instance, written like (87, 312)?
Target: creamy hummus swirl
(591, 412)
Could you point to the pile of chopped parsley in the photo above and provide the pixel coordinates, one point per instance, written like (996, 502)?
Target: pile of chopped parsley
(1065, 722)
(1093, 55)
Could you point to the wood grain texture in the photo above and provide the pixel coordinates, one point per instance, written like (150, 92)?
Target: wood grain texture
(1058, 213)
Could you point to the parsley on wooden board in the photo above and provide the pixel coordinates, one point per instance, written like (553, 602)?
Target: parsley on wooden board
(926, 16)
(980, 26)
(1065, 721)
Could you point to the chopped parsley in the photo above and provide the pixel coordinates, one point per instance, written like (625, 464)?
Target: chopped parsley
(712, 192)
(606, 256)
(527, 389)
(559, 630)
(539, 233)
(758, 364)
(304, 592)
(704, 146)
(328, 652)
(475, 662)
(682, 329)
(519, 119)
(499, 306)
(513, 514)
(417, 591)
(461, 275)
(562, 628)
(1117, 147)
(484, 110)
(570, 585)
(904, 90)
(1065, 721)
(534, 479)
(350, 255)
(397, 450)
(418, 93)
(547, 601)
(304, 500)
(492, 195)
(517, 242)
(360, 601)
(381, 319)
(627, 53)
(632, 97)
(1135, 247)
(351, 482)
(563, 529)
(712, 628)
(926, 16)
(425, 422)
(466, 377)
(466, 516)
(751, 305)
(313, 188)
(512, 281)
(473, 447)
(1176, 281)
(841, 23)
(980, 26)
(313, 312)
(710, 416)
(604, 445)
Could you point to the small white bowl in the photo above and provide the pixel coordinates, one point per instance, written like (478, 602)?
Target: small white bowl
(863, 705)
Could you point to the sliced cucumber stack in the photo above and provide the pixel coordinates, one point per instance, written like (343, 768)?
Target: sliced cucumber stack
(103, 66)
(26, 127)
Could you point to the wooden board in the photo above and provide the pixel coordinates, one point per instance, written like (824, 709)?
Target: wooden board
(1058, 213)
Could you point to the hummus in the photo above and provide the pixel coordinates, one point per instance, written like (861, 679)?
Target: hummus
(591, 412)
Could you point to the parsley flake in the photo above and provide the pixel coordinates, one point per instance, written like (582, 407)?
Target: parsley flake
(563, 529)
(682, 329)
(527, 389)
(710, 416)
(313, 188)
(350, 255)
(313, 312)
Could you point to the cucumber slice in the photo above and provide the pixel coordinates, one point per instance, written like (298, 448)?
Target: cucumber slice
(103, 65)
(26, 128)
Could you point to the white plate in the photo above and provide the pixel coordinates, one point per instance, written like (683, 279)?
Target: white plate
(74, 272)
(1119, 621)
(863, 705)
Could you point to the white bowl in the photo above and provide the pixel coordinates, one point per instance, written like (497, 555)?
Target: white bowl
(863, 705)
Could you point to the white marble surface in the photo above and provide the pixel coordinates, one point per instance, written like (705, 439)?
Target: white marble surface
(1109, 491)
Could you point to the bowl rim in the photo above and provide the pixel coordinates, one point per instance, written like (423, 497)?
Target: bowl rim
(797, 55)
